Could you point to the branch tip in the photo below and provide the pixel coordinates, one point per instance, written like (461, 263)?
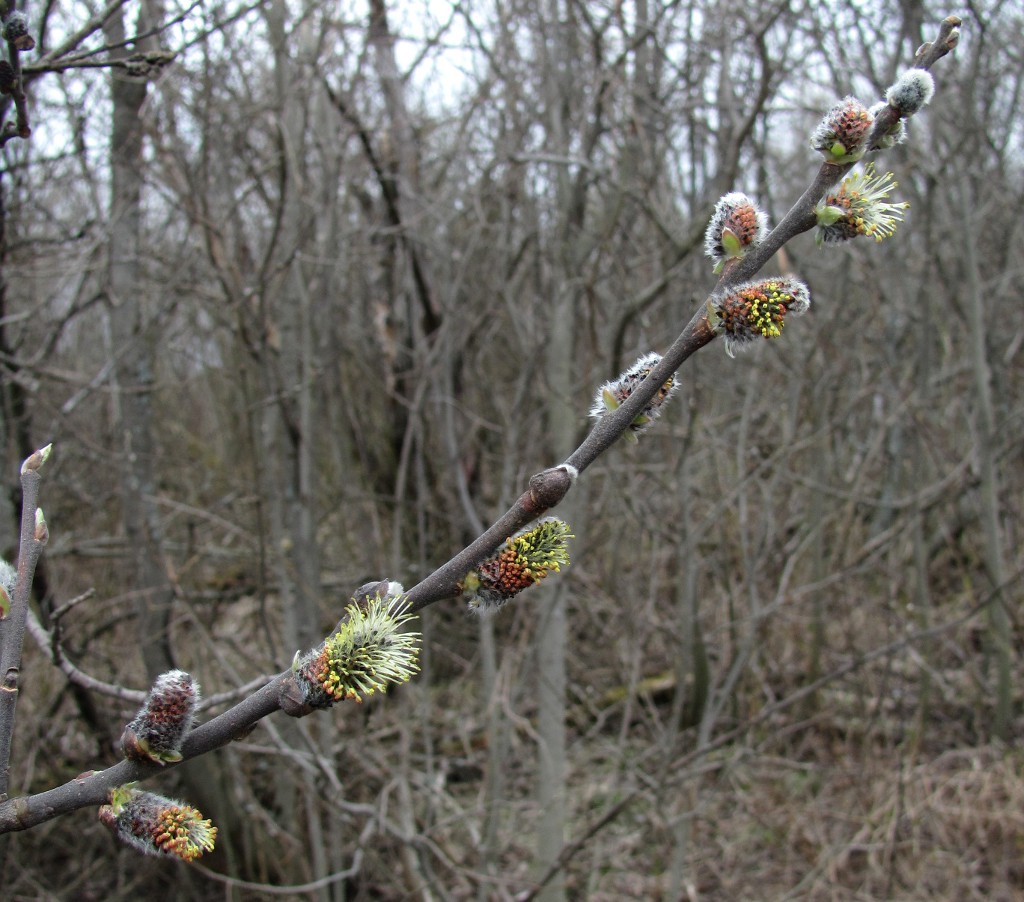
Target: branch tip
(949, 36)
(35, 460)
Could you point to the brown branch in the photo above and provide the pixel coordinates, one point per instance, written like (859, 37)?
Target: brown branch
(20, 128)
(547, 489)
(443, 583)
(93, 787)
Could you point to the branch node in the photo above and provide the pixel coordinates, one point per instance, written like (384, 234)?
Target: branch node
(549, 487)
(292, 700)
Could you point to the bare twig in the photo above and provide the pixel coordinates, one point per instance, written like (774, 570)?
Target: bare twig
(49, 643)
(12, 629)
(75, 39)
(69, 605)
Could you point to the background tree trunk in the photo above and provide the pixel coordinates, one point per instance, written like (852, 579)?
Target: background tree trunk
(134, 321)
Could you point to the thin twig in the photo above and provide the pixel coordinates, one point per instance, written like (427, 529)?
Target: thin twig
(49, 644)
(12, 628)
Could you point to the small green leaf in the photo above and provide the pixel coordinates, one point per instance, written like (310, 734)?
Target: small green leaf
(829, 215)
(731, 243)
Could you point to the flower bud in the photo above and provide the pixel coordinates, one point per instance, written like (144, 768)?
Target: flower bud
(859, 207)
(16, 31)
(525, 559)
(612, 394)
(912, 90)
(155, 825)
(364, 655)
(841, 135)
(736, 226)
(758, 310)
(159, 728)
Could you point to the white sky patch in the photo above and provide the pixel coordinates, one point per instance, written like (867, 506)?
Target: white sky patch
(433, 47)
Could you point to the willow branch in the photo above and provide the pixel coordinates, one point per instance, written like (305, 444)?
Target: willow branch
(549, 487)
(12, 627)
(545, 491)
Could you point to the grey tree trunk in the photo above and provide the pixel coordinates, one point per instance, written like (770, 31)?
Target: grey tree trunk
(552, 620)
(134, 323)
(561, 419)
(999, 637)
(289, 361)
(133, 330)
